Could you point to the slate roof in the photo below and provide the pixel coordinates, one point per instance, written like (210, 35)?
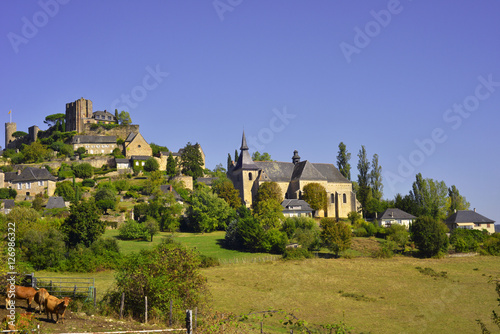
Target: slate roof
(331, 173)
(206, 180)
(103, 113)
(166, 188)
(395, 214)
(304, 170)
(277, 171)
(140, 157)
(8, 203)
(288, 205)
(245, 160)
(81, 139)
(468, 216)
(9, 176)
(55, 202)
(33, 174)
(130, 136)
(122, 161)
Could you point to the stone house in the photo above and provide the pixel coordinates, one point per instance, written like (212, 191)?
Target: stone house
(136, 145)
(470, 220)
(247, 175)
(95, 144)
(29, 182)
(395, 216)
(296, 208)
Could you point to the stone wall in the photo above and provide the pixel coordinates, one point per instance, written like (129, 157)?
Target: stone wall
(121, 131)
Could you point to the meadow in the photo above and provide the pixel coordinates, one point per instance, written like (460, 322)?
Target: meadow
(370, 295)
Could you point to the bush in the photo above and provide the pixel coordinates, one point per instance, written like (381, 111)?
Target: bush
(398, 234)
(464, 240)
(429, 236)
(6, 193)
(83, 170)
(88, 183)
(43, 249)
(297, 254)
(276, 241)
(386, 250)
(491, 245)
(151, 165)
(208, 261)
(132, 230)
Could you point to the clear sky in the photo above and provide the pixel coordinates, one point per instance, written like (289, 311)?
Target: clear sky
(416, 82)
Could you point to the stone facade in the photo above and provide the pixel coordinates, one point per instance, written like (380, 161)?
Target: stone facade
(30, 181)
(10, 128)
(77, 113)
(95, 144)
(247, 176)
(121, 132)
(136, 145)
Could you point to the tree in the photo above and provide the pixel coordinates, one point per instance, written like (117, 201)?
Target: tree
(105, 199)
(116, 116)
(19, 134)
(256, 156)
(122, 185)
(83, 225)
(66, 190)
(171, 165)
(124, 118)
(429, 236)
(151, 226)
(343, 164)
(315, 195)
(363, 177)
(429, 197)
(37, 203)
(207, 212)
(224, 188)
(335, 235)
(35, 152)
(229, 161)
(456, 201)
(169, 272)
(376, 179)
(151, 165)
(267, 191)
(55, 119)
(43, 249)
(192, 160)
(269, 213)
(83, 170)
(157, 149)
(24, 219)
(236, 156)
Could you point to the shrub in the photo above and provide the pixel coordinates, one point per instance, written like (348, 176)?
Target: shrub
(88, 183)
(6, 193)
(43, 249)
(386, 250)
(276, 241)
(151, 165)
(297, 254)
(429, 236)
(132, 230)
(335, 235)
(467, 240)
(398, 234)
(208, 261)
(491, 245)
(83, 170)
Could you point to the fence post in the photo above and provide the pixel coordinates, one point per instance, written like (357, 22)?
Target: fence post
(74, 292)
(170, 316)
(121, 305)
(146, 313)
(95, 297)
(189, 321)
(195, 318)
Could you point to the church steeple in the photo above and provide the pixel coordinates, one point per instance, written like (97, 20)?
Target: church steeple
(244, 146)
(295, 158)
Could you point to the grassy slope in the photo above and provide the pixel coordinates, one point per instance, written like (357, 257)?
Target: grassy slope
(404, 300)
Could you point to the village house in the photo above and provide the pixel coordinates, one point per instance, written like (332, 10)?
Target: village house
(296, 208)
(395, 216)
(470, 220)
(247, 175)
(95, 144)
(136, 145)
(29, 182)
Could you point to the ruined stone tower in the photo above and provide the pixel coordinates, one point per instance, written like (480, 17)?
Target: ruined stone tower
(77, 114)
(10, 128)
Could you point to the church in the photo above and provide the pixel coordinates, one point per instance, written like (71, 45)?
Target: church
(247, 175)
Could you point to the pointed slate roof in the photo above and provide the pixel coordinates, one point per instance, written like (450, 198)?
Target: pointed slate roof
(468, 216)
(34, 174)
(304, 170)
(55, 202)
(130, 136)
(331, 173)
(245, 160)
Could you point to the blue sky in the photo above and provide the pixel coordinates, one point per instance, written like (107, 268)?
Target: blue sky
(416, 82)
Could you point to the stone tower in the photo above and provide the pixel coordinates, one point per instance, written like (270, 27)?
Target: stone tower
(33, 133)
(245, 173)
(10, 128)
(76, 114)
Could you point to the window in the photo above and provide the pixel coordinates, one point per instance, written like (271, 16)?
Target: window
(28, 185)
(19, 186)
(109, 117)
(250, 176)
(477, 225)
(139, 146)
(332, 198)
(40, 183)
(488, 225)
(344, 198)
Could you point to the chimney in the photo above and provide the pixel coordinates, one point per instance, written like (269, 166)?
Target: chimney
(19, 173)
(295, 158)
(474, 209)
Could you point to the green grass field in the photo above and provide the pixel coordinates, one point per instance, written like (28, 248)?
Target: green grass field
(373, 295)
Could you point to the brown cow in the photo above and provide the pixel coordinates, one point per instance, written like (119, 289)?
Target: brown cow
(21, 292)
(57, 306)
(40, 297)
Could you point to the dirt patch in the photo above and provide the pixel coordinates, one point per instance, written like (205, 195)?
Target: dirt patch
(80, 322)
(366, 246)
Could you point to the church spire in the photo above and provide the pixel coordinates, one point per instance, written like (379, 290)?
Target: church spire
(244, 146)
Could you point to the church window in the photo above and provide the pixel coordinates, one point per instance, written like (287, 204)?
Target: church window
(250, 176)
(332, 198)
(344, 197)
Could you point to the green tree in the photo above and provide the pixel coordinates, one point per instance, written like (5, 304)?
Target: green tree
(169, 272)
(151, 226)
(124, 118)
(55, 119)
(157, 149)
(224, 188)
(192, 161)
(256, 156)
(105, 199)
(343, 164)
(376, 179)
(364, 191)
(83, 170)
(67, 150)
(151, 165)
(24, 219)
(207, 212)
(37, 203)
(229, 161)
(35, 152)
(267, 191)
(429, 197)
(429, 236)
(315, 195)
(236, 156)
(83, 226)
(269, 213)
(335, 235)
(19, 134)
(66, 190)
(122, 185)
(456, 201)
(171, 165)
(43, 249)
